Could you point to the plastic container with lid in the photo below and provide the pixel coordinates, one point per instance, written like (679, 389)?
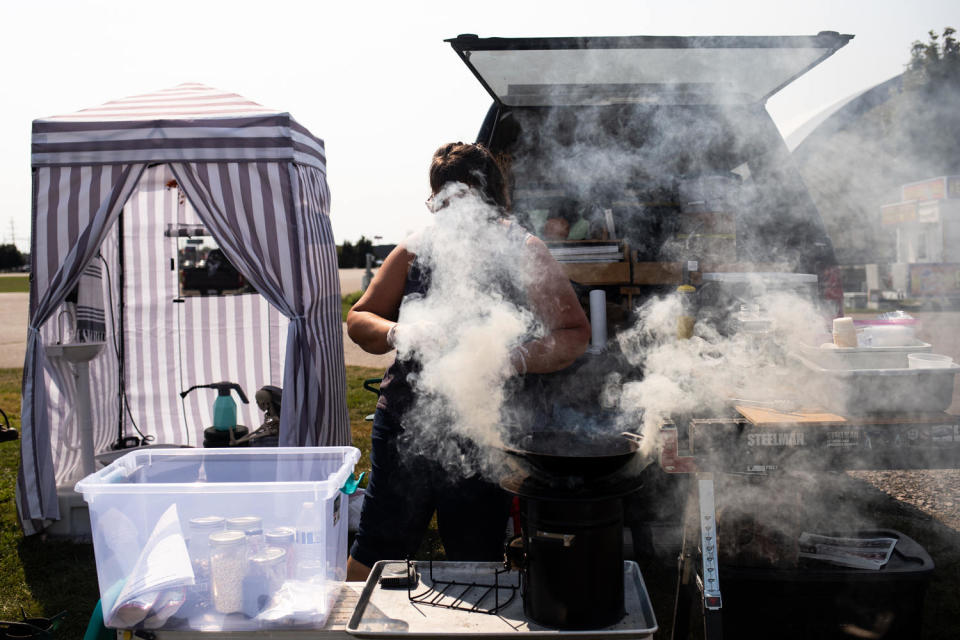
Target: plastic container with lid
(886, 335)
(893, 329)
(270, 484)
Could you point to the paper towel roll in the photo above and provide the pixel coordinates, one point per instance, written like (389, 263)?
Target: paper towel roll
(598, 320)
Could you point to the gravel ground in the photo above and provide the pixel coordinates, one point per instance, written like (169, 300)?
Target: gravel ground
(935, 492)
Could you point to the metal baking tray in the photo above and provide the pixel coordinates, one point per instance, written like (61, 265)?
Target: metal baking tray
(896, 390)
(862, 357)
(384, 613)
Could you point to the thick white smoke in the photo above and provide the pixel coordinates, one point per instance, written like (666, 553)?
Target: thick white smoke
(700, 376)
(465, 328)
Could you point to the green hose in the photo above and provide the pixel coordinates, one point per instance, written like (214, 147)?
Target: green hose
(96, 629)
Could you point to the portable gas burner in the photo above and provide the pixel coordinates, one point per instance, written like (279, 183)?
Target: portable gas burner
(572, 548)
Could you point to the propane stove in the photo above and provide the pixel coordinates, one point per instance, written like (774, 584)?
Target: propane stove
(571, 552)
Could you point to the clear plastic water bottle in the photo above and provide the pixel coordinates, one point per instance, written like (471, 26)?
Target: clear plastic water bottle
(308, 547)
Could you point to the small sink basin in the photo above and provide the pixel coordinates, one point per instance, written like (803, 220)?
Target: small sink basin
(75, 351)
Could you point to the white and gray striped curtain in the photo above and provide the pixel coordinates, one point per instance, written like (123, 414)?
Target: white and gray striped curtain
(74, 208)
(60, 385)
(173, 342)
(270, 219)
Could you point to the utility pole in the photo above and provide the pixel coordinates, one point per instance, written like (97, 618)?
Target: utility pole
(13, 236)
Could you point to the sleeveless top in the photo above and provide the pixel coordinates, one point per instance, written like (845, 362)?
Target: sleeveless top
(396, 391)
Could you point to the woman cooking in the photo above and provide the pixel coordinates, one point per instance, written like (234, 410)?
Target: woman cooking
(405, 490)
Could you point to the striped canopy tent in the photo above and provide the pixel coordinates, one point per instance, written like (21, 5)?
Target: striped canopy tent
(124, 196)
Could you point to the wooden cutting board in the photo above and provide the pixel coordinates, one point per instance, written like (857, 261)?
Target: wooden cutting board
(761, 416)
(765, 416)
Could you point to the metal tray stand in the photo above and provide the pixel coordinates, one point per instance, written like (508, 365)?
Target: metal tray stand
(465, 592)
(470, 596)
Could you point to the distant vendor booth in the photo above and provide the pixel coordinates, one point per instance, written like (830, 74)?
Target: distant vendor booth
(179, 238)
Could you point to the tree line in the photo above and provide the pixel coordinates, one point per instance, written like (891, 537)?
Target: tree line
(354, 256)
(11, 258)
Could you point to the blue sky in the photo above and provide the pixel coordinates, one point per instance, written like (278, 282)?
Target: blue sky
(375, 79)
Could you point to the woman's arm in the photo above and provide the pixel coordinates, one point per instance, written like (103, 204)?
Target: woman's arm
(556, 305)
(375, 313)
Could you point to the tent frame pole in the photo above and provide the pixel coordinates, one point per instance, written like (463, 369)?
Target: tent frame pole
(121, 337)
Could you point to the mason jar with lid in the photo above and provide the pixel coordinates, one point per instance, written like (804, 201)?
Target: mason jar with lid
(270, 565)
(282, 538)
(228, 566)
(252, 527)
(266, 572)
(198, 596)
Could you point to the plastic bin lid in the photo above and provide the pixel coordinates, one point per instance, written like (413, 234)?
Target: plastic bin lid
(739, 277)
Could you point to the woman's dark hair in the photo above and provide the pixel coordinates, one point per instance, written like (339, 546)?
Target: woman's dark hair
(474, 166)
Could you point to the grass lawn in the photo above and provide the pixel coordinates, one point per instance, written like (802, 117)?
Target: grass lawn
(44, 577)
(348, 301)
(14, 283)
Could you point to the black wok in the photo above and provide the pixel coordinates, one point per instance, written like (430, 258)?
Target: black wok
(570, 454)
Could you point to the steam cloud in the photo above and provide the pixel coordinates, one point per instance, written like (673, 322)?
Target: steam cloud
(632, 160)
(464, 329)
(699, 376)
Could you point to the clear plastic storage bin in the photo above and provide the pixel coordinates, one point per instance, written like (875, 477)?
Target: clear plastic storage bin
(147, 511)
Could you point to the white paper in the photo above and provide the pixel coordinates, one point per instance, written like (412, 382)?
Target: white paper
(164, 563)
(860, 553)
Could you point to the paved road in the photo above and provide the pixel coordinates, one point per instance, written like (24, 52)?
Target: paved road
(351, 280)
(13, 328)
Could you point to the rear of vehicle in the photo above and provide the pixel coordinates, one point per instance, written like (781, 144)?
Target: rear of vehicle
(643, 159)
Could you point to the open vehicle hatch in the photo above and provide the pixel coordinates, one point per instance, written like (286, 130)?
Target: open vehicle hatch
(531, 72)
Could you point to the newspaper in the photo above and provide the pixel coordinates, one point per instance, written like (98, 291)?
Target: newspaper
(860, 553)
(162, 567)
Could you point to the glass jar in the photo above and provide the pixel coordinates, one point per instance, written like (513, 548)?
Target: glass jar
(282, 538)
(271, 565)
(198, 595)
(252, 528)
(266, 572)
(228, 566)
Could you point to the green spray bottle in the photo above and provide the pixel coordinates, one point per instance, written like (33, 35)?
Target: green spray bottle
(224, 407)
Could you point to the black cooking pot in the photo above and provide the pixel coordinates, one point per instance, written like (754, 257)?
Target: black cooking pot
(563, 453)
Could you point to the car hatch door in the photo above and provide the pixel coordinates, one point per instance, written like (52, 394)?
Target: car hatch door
(536, 72)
